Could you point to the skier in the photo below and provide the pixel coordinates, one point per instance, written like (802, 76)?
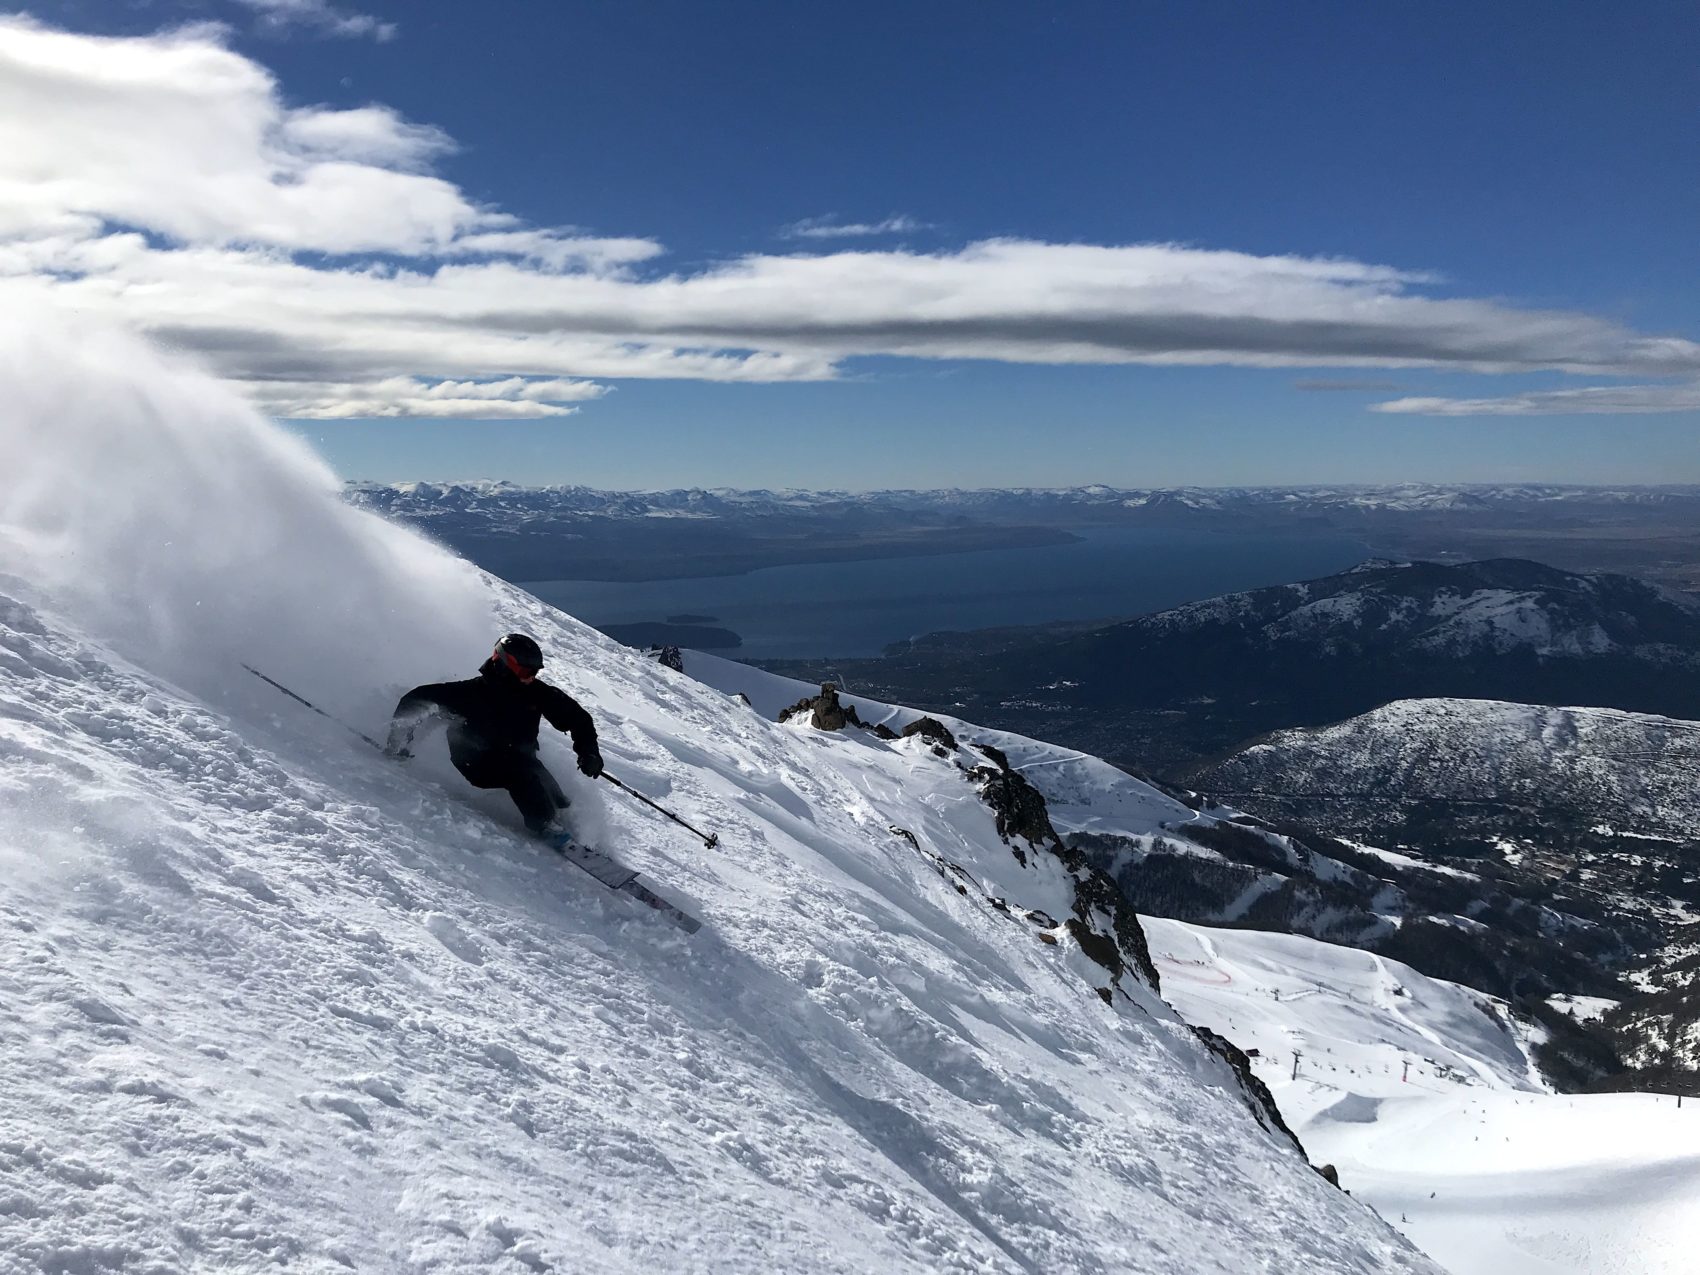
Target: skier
(492, 723)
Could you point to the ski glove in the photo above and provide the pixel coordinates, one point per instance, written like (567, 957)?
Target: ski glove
(590, 763)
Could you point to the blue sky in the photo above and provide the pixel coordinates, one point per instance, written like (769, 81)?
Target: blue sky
(1523, 174)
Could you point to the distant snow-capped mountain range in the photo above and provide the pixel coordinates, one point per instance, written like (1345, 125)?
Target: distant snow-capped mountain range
(578, 532)
(1170, 691)
(424, 499)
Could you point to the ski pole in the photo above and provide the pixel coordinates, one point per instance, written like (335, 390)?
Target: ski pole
(709, 839)
(308, 704)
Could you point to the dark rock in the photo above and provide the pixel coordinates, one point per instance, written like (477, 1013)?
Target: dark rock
(1096, 946)
(932, 729)
(671, 657)
(1096, 894)
(1257, 1095)
(1018, 806)
(1329, 1173)
(826, 713)
(1021, 812)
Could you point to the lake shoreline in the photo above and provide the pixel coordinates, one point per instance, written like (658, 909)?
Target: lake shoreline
(858, 608)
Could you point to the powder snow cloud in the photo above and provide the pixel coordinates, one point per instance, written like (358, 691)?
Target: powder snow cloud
(317, 257)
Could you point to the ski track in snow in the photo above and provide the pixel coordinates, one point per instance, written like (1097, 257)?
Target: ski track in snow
(267, 999)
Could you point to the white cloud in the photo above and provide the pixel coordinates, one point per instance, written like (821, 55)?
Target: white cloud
(511, 398)
(313, 255)
(830, 227)
(320, 16)
(556, 249)
(1584, 401)
(367, 135)
(188, 140)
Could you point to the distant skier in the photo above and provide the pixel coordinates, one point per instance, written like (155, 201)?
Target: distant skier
(492, 722)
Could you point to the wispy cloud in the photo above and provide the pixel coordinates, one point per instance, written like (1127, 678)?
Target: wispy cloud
(319, 16)
(1592, 400)
(1321, 386)
(317, 257)
(511, 398)
(829, 227)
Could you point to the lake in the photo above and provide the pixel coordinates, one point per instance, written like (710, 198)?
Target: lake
(846, 609)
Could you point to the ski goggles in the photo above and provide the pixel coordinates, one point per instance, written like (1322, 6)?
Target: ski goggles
(521, 671)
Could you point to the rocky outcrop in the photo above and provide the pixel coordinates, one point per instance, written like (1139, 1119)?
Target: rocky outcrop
(825, 711)
(1104, 925)
(934, 731)
(1257, 1095)
(1019, 806)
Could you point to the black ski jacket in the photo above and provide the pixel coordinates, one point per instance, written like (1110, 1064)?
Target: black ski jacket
(494, 716)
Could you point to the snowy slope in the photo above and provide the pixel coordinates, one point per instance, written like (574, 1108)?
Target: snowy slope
(1084, 793)
(272, 1000)
(1470, 1156)
(1422, 1092)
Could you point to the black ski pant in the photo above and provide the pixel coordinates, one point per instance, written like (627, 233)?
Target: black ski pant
(534, 790)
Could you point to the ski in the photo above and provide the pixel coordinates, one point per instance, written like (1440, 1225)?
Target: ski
(611, 872)
(649, 898)
(617, 876)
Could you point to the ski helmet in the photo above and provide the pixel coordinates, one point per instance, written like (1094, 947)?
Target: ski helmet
(521, 650)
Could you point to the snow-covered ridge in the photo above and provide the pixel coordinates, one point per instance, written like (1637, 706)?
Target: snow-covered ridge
(274, 1000)
(1636, 770)
(1493, 607)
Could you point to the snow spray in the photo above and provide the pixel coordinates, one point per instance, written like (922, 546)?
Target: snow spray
(152, 506)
